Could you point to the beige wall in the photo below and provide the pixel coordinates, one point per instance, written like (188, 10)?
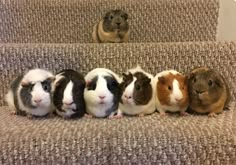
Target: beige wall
(227, 20)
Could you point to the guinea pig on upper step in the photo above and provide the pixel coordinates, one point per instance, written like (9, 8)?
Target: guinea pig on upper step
(208, 90)
(30, 93)
(138, 96)
(171, 92)
(113, 28)
(102, 92)
(68, 94)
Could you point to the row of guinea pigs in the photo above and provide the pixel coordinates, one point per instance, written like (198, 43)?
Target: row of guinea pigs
(103, 93)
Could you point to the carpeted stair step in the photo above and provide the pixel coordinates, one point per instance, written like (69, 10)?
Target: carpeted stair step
(153, 57)
(63, 21)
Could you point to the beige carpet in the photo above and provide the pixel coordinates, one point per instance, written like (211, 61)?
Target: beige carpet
(195, 139)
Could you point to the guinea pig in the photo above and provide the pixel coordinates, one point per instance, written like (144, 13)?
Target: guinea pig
(137, 93)
(68, 94)
(113, 28)
(208, 91)
(30, 93)
(171, 92)
(102, 93)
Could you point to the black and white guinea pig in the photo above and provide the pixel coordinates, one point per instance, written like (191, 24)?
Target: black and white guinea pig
(102, 93)
(68, 94)
(137, 97)
(171, 92)
(30, 93)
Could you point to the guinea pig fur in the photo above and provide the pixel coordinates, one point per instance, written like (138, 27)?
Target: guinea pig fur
(208, 91)
(102, 92)
(137, 93)
(113, 28)
(171, 92)
(30, 94)
(68, 95)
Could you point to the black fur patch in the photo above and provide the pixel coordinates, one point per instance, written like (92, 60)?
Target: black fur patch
(114, 88)
(14, 87)
(25, 95)
(77, 90)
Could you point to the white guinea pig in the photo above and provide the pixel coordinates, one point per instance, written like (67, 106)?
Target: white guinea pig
(102, 92)
(68, 95)
(137, 93)
(30, 94)
(171, 92)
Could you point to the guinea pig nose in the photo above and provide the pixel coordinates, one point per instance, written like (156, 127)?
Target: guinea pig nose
(177, 99)
(128, 97)
(118, 23)
(101, 97)
(37, 100)
(198, 92)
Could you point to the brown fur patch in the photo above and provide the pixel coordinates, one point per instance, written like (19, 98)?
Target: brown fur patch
(165, 87)
(142, 89)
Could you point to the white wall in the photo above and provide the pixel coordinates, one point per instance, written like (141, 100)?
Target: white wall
(227, 20)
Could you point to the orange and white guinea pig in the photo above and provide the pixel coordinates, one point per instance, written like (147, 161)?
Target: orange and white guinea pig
(171, 92)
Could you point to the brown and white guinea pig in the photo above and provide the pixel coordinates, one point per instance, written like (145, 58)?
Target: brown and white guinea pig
(137, 97)
(102, 93)
(171, 92)
(113, 28)
(30, 93)
(68, 94)
(208, 91)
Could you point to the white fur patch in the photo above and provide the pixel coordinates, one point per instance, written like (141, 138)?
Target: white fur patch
(68, 97)
(10, 100)
(128, 92)
(176, 93)
(37, 75)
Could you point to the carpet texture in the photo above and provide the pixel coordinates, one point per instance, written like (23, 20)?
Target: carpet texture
(153, 57)
(63, 21)
(152, 139)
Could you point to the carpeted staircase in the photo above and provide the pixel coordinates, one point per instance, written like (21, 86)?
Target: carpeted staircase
(165, 34)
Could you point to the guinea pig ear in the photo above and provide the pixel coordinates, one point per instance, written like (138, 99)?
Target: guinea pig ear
(25, 83)
(186, 79)
(219, 82)
(125, 15)
(51, 78)
(87, 83)
(107, 15)
(162, 80)
(126, 76)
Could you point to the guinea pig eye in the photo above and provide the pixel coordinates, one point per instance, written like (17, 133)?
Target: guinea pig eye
(46, 87)
(170, 88)
(138, 87)
(194, 80)
(111, 17)
(210, 82)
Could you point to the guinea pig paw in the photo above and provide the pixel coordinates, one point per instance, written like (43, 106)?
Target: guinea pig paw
(184, 113)
(162, 114)
(29, 116)
(13, 113)
(119, 116)
(212, 114)
(88, 116)
(141, 115)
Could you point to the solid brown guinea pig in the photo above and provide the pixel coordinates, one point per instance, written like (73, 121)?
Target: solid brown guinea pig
(208, 91)
(171, 92)
(113, 28)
